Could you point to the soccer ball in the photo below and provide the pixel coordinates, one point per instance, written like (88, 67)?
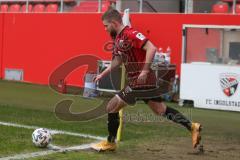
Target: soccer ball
(41, 137)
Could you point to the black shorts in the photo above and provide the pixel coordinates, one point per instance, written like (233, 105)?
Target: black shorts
(130, 96)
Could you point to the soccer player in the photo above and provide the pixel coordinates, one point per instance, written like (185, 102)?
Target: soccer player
(136, 52)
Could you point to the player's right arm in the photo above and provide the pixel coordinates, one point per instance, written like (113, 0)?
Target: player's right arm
(116, 62)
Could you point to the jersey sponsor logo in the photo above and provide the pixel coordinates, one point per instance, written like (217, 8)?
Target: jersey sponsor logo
(229, 83)
(140, 36)
(124, 45)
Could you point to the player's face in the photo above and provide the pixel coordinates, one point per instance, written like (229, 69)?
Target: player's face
(110, 28)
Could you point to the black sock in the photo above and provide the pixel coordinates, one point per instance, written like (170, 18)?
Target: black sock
(177, 117)
(113, 124)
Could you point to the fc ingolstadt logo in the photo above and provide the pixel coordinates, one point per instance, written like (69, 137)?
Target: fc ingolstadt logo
(229, 83)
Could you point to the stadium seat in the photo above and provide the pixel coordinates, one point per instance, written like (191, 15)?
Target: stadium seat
(105, 5)
(52, 8)
(14, 8)
(238, 8)
(69, 1)
(220, 8)
(39, 8)
(230, 1)
(91, 6)
(4, 7)
(49, 1)
(29, 8)
(65, 1)
(85, 6)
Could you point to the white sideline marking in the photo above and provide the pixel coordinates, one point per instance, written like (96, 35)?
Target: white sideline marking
(52, 131)
(52, 148)
(43, 153)
(28, 155)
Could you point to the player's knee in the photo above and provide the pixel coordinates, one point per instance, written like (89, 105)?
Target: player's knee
(158, 111)
(108, 109)
(161, 109)
(158, 108)
(112, 106)
(115, 104)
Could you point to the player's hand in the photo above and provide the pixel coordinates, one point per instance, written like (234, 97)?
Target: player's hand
(97, 78)
(142, 78)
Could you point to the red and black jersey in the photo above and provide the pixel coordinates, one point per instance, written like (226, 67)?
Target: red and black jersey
(129, 45)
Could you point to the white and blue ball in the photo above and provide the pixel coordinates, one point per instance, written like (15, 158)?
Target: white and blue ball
(41, 137)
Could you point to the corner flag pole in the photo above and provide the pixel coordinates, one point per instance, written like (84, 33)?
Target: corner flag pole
(126, 22)
(119, 133)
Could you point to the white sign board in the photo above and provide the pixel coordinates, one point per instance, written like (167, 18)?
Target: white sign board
(13, 74)
(211, 86)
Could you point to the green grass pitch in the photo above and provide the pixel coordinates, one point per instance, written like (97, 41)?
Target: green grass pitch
(145, 136)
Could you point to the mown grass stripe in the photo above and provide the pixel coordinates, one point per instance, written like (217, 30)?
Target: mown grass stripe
(53, 131)
(43, 153)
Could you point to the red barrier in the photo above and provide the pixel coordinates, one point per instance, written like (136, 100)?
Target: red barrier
(1, 44)
(39, 43)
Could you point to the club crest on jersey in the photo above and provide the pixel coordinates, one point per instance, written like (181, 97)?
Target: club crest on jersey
(229, 83)
(124, 45)
(140, 36)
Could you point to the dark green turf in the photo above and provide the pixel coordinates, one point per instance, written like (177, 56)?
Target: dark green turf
(34, 105)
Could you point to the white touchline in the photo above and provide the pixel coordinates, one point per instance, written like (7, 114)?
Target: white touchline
(53, 149)
(53, 131)
(29, 155)
(43, 153)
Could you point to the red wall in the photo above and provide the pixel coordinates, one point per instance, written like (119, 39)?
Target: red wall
(1, 43)
(39, 43)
